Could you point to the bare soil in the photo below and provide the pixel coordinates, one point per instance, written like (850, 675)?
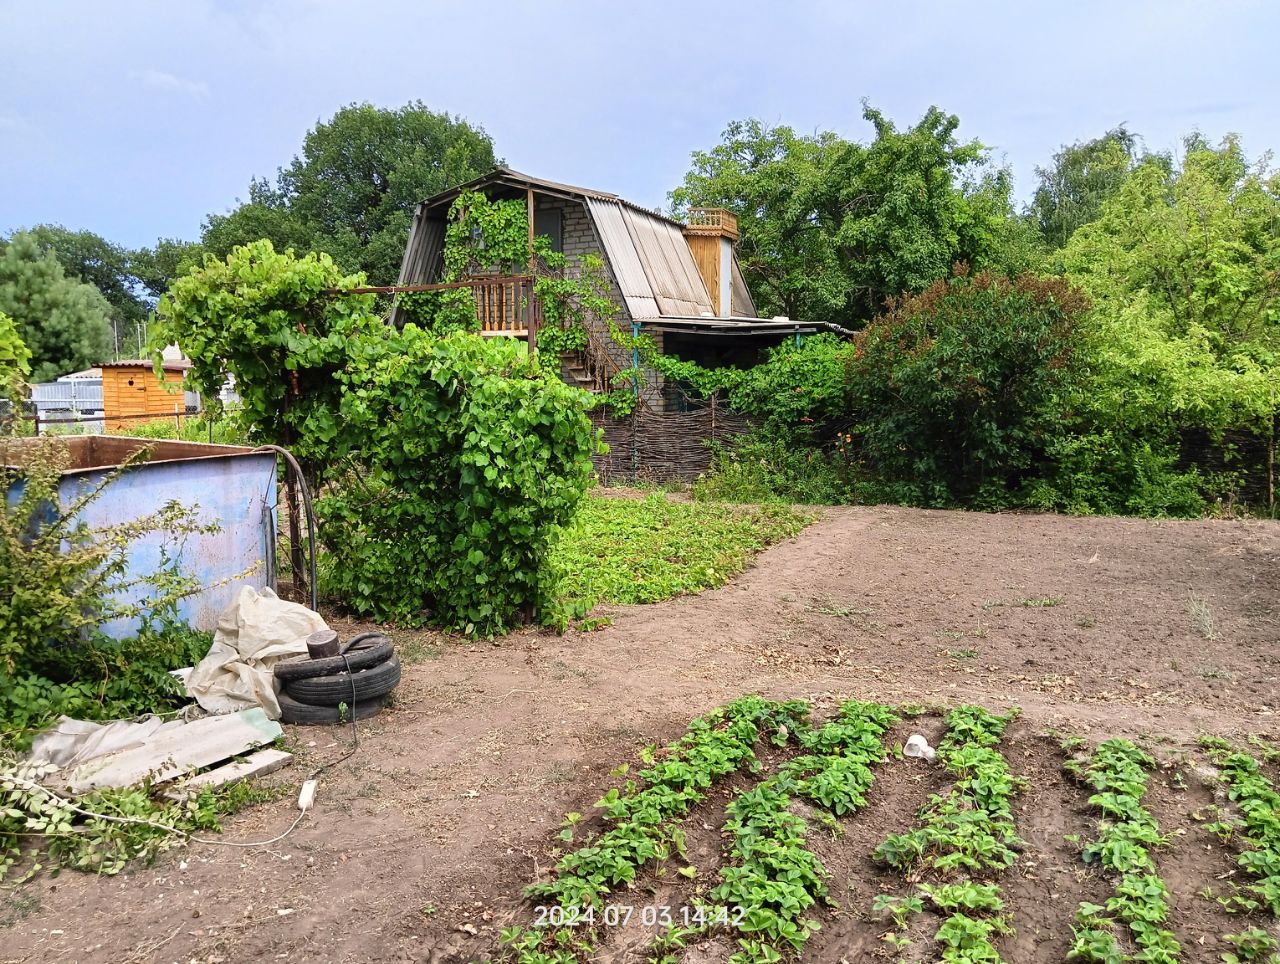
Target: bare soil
(419, 846)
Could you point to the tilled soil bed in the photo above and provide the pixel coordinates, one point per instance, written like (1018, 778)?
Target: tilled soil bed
(418, 848)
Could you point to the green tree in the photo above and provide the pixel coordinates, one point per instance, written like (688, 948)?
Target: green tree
(352, 190)
(831, 229)
(156, 267)
(109, 267)
(1183, 267)
(65, 323)
(15, 361)
(1081, 179)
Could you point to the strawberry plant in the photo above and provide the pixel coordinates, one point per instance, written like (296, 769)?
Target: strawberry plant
(1257, 826)
(641, 813)
(1117, 770)
(773, 877)
(969, 830)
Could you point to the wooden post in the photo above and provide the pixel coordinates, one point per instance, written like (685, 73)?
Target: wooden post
(533, 321)
(529, 208)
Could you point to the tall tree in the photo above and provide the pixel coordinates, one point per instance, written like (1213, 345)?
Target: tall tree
(91, 258)
(831, 229)
(1183, 267)
(1081, 179)
(65, 323)
(352, 190)
(156, 267)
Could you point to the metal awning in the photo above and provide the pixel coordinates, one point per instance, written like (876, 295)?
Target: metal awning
(730, 327)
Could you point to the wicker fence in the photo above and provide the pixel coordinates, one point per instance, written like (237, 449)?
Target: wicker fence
(651, 447)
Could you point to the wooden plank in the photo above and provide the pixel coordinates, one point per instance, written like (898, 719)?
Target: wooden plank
(174, 752)
(256, 764)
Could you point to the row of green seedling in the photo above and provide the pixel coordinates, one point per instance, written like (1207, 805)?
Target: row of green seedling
(1256, 831)
(772, 881)
(643, 818)
(1126, 835)
(966, 833)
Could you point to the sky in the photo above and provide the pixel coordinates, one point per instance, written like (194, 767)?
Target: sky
(137, 119)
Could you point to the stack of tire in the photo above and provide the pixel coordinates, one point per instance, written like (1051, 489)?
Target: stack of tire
(336, 689)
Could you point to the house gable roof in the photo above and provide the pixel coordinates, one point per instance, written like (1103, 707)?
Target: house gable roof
(646, 251)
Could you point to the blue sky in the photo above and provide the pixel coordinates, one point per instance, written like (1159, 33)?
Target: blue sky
(136, 119)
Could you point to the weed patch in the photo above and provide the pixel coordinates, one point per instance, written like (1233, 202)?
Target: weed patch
(623, 551)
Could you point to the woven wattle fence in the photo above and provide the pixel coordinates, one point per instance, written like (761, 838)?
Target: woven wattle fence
(650, 447)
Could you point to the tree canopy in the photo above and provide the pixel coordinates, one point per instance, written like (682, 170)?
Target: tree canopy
(65, 323)
(831, 228)
(352, 190)
(1081, 179)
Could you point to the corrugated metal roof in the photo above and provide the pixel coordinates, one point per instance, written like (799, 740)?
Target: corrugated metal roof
(421, 255)
(651, 261)
(620, 251)
(740, 301)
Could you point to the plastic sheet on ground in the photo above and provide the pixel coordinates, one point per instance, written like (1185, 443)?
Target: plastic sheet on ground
(257, 630)
(70, 742)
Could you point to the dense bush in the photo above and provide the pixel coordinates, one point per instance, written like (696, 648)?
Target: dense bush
(451, 460)
(956, 390)
(473, 457)
(262, 317)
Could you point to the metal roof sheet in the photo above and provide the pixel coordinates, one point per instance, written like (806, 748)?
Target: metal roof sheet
(623, 258)
(650, 259)
(741, 303)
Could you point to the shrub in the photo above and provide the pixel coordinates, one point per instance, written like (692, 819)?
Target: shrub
(955, 390)
(475, 457)
(454, 459)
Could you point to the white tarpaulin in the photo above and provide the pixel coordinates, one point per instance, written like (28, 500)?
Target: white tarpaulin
(70, 742)
(255, 632)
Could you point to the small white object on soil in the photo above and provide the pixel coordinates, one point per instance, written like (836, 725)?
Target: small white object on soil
(918, 747)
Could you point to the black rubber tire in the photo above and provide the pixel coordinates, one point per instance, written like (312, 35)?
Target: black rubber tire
(337, 688)
(366, 652)
(304, 714)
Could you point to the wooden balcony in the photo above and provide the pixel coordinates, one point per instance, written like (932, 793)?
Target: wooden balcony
(506, 306)
(714, 221)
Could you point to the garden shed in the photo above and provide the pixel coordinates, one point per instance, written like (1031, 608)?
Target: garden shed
(131, 391)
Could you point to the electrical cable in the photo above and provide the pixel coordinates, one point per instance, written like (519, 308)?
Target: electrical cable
(139, 821)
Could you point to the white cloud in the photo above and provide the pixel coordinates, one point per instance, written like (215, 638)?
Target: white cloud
(165, 81)
(11, 122)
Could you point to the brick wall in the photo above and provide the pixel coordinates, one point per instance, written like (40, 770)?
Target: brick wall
(580, 240)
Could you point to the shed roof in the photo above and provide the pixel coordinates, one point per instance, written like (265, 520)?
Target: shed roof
(178, 365)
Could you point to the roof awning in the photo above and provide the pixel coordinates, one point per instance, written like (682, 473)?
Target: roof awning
(731, 327)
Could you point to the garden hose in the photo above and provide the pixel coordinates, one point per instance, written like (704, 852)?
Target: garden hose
(294, 467)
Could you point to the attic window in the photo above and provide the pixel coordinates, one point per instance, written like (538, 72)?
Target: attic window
(547, 221)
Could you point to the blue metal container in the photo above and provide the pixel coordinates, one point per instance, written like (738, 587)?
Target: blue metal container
(230, 486)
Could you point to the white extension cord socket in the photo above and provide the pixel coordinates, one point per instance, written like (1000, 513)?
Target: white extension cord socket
(307, 795)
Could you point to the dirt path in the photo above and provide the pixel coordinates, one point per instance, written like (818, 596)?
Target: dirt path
(418, 848)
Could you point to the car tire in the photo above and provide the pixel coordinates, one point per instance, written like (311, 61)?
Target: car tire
(367, 650)
(357, 687)
(304, 714)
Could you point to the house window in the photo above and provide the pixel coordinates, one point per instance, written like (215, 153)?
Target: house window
(547, 221)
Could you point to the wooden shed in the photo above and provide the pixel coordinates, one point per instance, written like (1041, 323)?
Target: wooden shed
(131, 391)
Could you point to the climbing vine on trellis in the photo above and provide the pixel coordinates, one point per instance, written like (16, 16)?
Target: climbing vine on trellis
(485, 236)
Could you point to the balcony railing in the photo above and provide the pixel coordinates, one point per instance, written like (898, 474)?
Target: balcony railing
(506, 305)
(712, 221)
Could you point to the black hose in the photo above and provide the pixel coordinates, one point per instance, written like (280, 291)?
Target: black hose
(294, 467)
